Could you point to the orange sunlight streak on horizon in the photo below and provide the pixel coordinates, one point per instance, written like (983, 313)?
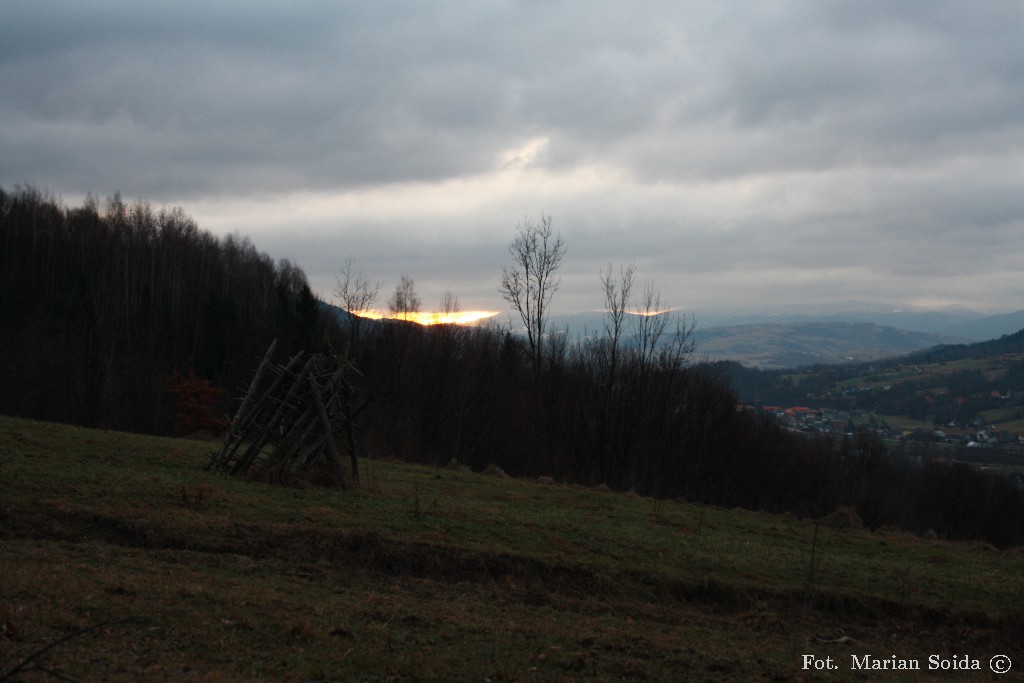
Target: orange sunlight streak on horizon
(432, 317)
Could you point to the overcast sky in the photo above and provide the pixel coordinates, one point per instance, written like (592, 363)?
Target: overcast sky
(743, 154)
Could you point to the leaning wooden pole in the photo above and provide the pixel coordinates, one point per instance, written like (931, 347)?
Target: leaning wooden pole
(349, 428)
(254, 411)
(267, 427)
(297, 424)
(215, 462)
(332, 446)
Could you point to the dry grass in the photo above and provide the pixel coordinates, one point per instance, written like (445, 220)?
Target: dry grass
(158, 571)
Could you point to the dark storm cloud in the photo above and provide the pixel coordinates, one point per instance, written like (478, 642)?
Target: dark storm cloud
(759, 146)
(214, 97)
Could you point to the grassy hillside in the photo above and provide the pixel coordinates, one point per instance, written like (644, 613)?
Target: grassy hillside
(155, 570)
(958, 391)
(968, 385)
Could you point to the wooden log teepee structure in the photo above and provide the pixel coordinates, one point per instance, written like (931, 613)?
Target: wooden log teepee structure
(290, 421)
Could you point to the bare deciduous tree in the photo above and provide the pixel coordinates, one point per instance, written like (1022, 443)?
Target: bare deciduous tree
(652, 324)
(617, 292)
(449, 304)
(405, 300)
(530, 282)
(672, 353)
(357, 296)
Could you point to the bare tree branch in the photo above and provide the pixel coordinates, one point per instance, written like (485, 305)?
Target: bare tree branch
(617, 292)
(529, 283)
(404, 300)
(449, 303)
(357, 296)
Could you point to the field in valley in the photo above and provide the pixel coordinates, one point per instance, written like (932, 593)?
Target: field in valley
(121, 559)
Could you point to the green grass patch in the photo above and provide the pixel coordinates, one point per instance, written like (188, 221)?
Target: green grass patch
(902, 423)
(165, 571)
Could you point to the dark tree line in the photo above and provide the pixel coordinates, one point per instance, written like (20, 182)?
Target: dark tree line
(104, 311)
(101, 306)
(658, 427)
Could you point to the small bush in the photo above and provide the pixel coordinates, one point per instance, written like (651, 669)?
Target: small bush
(495, 471)
(843, 517)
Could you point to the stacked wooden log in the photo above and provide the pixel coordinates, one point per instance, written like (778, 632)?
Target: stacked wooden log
(291, 420)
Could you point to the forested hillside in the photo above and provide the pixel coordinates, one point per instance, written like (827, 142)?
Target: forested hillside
(102, 306)
(946, 385)
(132, 318)
(655, 425)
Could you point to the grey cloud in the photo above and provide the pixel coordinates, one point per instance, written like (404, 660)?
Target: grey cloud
(815, 137)
(343, 94)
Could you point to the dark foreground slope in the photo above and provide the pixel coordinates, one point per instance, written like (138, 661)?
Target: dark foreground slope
(134, 564)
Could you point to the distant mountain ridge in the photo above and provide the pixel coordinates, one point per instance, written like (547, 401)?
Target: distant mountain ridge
(1005, 344)
(791, 345)
(861, 333)
(960, 323)
(993, 326)
(791, 340)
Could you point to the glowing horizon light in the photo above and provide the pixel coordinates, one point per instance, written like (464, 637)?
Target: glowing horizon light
(645, 314)
(432, 317)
